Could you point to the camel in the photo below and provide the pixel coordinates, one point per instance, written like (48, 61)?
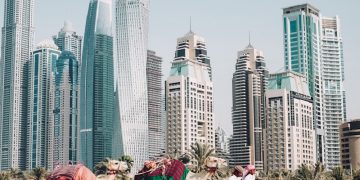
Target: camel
(178, 171)
(116, 170)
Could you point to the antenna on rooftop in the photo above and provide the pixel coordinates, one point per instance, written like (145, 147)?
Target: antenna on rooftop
(249, 37)
(190, 24)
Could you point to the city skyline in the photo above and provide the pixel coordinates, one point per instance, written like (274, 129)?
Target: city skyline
(231, 35)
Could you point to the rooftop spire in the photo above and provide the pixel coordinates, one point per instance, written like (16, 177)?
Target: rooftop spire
(250, 46)
(190, 24)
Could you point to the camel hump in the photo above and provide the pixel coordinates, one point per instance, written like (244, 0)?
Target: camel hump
(72, 172)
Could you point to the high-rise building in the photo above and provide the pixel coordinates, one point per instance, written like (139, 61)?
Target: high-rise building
(97, 85)
(333, 84)
(189, 97)
(68, 40)
(248, 111)
(222, 143)
(154, 82)
(41, 67)
(302, 39)
(350, 144)
(65, 112)
(313, 47)
(289, 134)
(131, 27)
(17, 45)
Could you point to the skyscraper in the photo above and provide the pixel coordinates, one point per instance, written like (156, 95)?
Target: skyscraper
(97, 85)
(41, 67)
(222, 143)
(17, 44)
(333, 84)
(248, 112)
(302, 54)
(131, 136)
(189, 97)
(154, 82)
(313, 45)
(64, 112)
(289, 135)
(67, 39)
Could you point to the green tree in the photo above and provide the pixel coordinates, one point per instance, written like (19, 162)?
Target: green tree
(308, 172)
(199, 153)
(38, 173)
(16, 174)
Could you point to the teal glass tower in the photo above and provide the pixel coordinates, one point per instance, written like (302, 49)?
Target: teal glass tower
(65, 116)
(303, 55)
(97, 85)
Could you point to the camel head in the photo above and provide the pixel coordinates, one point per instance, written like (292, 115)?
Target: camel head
(213, 163)
(115, 167)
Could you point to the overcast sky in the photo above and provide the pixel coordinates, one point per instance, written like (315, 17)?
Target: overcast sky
(225, 25)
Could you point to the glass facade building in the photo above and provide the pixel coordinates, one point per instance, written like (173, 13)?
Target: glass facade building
(131, 28)
(41, 67)
(313, 47)
(65, 123)
(67, 39)
(16, 47)
(302, 39)
(97, 85)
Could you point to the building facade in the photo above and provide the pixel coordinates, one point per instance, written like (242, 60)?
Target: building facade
(154, 84)
(248, 111)
(222, 143)
(68, 40)
(313, 47)
(16, 47)
(302, 40)
(41, 67)
(97, 85)
(65, 112)
(289, 134)
(189, 98)
(131, 28)
(350, 144)
(333, 83)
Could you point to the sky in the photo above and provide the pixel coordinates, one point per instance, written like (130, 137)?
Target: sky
(225, 25)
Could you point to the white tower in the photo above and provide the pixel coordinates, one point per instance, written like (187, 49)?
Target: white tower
(131, 31)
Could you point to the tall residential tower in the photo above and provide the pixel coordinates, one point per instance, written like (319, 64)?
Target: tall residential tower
(333, 84)
(189, 97)
(41, 68)
(248, 111)
(313, 47)
(131, 27)
(302, 39)
(68, 40)
(289, 135)
(16, 46)
(64, 119)
(97, 85)
(154, 82)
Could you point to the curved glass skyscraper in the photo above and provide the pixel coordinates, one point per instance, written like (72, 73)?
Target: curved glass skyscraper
(131, 46)
(97, 84)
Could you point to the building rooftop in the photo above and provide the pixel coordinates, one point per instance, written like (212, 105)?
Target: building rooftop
(289, 80)
(308, 8)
